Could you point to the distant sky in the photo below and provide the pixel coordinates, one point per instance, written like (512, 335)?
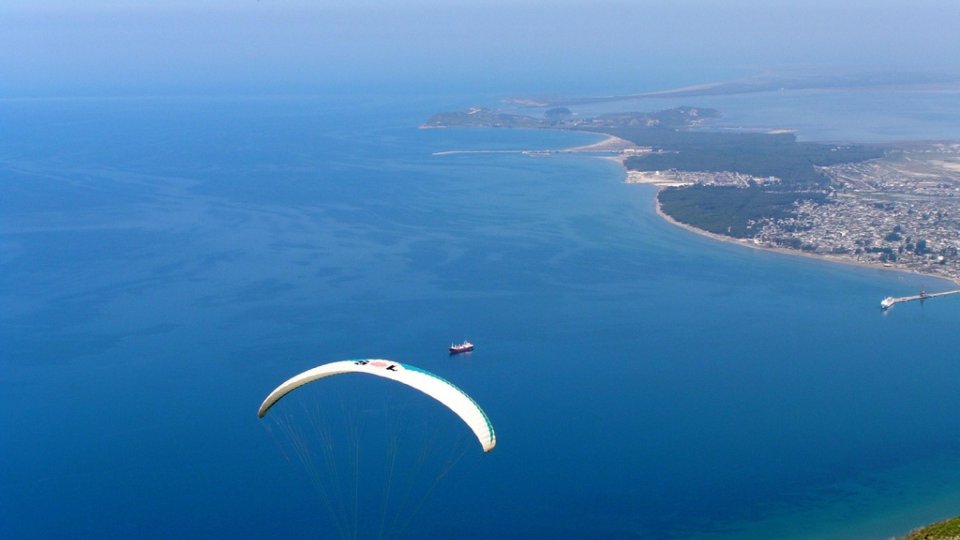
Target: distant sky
(60, 47)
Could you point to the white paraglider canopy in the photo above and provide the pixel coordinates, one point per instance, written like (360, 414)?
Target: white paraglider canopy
(430, 384)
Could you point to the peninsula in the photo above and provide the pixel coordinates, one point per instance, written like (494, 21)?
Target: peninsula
(890, 206)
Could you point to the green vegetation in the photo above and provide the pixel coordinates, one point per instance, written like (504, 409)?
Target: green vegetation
(665, 121)
(558, 113)
(482, 117)
(727, 210)
(563, 118)
(944, 530)
(678, 147)
(756, 154)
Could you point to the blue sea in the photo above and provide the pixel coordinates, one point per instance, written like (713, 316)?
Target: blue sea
(166, 262)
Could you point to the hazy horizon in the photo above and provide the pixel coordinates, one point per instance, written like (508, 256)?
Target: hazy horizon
(56, 48)
(170, 259)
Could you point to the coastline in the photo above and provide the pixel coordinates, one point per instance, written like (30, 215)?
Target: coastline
(618, 149)
(942, 529)
(642, 178)
(786, 251)
(611, 144)
(906, 277)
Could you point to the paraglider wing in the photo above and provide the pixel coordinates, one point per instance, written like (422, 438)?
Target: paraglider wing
(430, 384)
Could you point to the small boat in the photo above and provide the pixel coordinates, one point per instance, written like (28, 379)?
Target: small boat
(466, 346)
(887, 303)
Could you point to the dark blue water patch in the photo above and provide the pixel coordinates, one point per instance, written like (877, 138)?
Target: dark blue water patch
(643, 381)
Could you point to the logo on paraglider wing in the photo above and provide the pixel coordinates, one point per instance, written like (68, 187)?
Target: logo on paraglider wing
(389, 366)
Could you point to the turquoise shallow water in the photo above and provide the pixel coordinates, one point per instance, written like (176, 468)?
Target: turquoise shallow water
(167, 262)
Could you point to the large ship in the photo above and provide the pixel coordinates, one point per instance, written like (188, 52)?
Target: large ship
(466, 346)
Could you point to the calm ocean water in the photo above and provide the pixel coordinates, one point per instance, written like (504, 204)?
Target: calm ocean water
(166, 262)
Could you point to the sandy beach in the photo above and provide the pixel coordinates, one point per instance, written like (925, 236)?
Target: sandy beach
(610, 144)
(619, 149)
(786, 251)
(661, 181)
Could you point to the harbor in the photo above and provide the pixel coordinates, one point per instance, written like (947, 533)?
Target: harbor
(891, 301)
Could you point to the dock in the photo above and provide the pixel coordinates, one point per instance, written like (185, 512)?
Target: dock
(891, 301)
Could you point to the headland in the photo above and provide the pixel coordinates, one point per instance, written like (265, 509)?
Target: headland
(892, 206)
